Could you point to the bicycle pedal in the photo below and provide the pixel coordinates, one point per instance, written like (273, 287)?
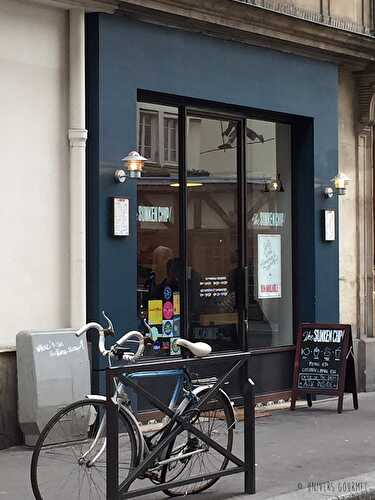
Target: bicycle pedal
(152, 476)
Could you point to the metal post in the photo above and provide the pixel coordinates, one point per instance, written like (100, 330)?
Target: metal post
(112, 441)
(249, 435)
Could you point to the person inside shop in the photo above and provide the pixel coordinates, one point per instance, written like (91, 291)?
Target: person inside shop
(160, 256)
(171, 280)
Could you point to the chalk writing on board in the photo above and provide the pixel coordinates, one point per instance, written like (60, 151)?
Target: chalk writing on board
(320, 381)
(320, 358)
(324, 363)
(57, 348)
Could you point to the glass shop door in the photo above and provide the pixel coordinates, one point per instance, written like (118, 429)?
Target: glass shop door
(214, 247)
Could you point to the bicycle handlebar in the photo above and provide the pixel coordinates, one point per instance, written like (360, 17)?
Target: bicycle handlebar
(199, 349)
(112, 351)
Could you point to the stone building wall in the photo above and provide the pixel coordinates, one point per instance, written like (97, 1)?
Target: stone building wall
(352, 15)
(348, 203)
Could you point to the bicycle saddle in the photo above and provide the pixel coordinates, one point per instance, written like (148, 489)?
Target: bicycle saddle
(199, 349)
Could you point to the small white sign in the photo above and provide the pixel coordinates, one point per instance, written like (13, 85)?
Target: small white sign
(120, 217)
(329, 225)
(269, 266)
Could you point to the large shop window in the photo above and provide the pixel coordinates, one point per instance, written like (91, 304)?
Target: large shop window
(269, 233)
(215, 230)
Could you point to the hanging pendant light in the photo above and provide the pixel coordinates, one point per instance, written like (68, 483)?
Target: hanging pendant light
(274, 185)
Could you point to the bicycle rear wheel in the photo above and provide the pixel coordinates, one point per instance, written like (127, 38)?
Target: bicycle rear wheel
(190, 455)
(69, 460)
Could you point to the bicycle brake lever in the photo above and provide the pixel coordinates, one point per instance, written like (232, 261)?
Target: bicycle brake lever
(109, 330)
(147, 325)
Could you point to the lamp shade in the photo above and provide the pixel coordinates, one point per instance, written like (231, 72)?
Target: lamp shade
(340, 182)
(133, 163)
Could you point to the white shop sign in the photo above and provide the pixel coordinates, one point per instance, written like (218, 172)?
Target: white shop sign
(269, 219)
(154, 214)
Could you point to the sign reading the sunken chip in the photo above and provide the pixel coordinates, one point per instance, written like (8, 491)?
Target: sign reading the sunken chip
(324, 362)
(154, 214)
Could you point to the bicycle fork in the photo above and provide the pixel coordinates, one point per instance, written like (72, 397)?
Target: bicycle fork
(90, 463)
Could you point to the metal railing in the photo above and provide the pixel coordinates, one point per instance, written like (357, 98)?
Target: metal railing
(237, 361)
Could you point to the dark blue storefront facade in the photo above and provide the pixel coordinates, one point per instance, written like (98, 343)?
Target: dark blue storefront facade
(125, 56)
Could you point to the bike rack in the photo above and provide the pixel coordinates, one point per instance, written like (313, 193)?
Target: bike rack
(238, 361)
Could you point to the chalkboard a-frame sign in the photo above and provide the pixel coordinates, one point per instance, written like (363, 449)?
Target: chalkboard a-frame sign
(324, 363)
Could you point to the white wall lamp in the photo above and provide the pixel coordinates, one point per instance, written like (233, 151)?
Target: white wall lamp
(339, 184)
(133, 166)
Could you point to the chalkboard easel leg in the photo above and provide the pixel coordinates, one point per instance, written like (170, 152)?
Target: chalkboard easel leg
(355, 400)
(293, 401)
(309, 400)
(340, 403)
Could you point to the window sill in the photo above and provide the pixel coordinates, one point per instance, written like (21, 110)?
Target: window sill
(4, 349)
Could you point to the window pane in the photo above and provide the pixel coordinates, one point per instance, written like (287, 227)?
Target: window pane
(170, 139)
(166, 140)
(148, 139)
(158, 289)
(269, 229)
(212, 233)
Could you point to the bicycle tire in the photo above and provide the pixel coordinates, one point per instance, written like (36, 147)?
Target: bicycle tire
(219, 409)
(59, 468)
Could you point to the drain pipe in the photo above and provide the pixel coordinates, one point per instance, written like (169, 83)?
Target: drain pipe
(77, 135)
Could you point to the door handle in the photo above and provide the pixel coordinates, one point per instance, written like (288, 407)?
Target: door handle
(245, 287)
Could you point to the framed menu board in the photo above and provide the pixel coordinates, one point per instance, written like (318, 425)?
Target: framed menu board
(324, 363)
(120, 217)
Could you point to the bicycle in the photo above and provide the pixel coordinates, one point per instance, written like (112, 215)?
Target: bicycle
(69, 459)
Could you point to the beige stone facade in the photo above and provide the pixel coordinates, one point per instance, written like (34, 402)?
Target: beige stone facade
(356, 157)
(359, 12)
(356, 10)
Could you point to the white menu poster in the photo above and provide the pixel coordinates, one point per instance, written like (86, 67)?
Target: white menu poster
(329, 225)
(269, 266)
(120, 217)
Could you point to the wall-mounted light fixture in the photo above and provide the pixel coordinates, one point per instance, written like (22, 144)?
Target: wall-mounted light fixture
(274, 185)
(133, 166)
(339, 184)
(328, 192)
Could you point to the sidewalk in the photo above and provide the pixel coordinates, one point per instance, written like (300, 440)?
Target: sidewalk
(309, 454)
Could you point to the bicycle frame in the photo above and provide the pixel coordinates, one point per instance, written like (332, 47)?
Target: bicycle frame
(182, 377)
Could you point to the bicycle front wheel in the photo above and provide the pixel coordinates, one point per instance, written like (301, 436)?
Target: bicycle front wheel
(189, 456)
(69, 460)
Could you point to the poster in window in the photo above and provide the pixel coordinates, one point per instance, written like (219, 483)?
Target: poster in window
(155, 312)
(269, 266)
